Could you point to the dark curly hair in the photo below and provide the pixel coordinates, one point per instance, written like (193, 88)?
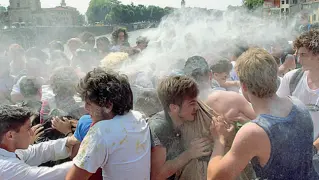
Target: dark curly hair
(102, 87)
(309, 40)
(115, 36)
(63, 81)
(13, 117)
(29, 86)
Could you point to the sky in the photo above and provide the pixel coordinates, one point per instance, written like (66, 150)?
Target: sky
(82, 5)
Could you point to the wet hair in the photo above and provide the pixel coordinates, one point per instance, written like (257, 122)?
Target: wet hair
(174, 90)
(115, 35)
(74, 42)
(29, 87)
(104, 87)
(142, 39)
(308, 40)
(223, 65)
(257, 69)
(103, 38)
(87, 37)
(239, 50)
(148, 103)
(12, 118)
(196, 67)
(63, 81)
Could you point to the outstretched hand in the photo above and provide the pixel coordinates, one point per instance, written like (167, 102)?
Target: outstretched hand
(37, 131)
(220, 129)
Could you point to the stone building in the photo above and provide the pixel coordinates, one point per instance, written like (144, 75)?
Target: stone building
(30, 13)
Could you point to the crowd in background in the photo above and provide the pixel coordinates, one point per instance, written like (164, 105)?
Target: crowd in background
(70, 113)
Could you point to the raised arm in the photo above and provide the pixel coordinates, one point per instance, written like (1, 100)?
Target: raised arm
(44, 152)
(251, 141)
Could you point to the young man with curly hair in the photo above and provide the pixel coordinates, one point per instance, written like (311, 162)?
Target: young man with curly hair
(119, 139)
(278, 142)
(304, 83)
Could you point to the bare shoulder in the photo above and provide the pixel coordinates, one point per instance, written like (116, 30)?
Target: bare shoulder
(225, 97)
(251, 136)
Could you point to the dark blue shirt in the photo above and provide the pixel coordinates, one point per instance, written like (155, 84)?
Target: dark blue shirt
(291, 140)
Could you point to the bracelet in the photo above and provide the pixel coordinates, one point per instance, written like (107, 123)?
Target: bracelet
(68, 134)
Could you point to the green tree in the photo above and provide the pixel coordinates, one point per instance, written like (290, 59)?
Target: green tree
(112, 11)
(253, 4)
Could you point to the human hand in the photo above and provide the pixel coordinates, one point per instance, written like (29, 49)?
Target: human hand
(220, 129)
(200, 148)
(37, 131)
(74, 124)
(62, 126)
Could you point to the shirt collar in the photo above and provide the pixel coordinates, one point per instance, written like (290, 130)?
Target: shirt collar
(6, 153)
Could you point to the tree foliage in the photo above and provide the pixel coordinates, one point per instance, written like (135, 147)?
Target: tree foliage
(253, 4)
(113, 11)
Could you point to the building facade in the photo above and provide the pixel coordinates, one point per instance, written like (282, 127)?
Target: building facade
(31, 13)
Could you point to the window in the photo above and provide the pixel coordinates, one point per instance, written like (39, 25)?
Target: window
(282, 10)
(282, 2)
(18, 5)
(287, 10)
(295, 2)
(314, 17)
(287, 1)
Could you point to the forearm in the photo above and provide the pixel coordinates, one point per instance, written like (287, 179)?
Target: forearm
(217, 155)
(39, 173)
(229, 84)
(172, 166)
(44, 152)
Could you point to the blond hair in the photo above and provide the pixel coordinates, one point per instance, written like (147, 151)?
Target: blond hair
(257, 69)
(114, 60)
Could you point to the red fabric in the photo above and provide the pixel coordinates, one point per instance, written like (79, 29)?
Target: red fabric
(97, 175)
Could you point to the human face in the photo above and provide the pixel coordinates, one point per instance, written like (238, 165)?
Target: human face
(308, 60)
(101, 45)
(121, 37)
(188, 110)
(221, 77)
(142, 46)
(97, 112)
(22, 138)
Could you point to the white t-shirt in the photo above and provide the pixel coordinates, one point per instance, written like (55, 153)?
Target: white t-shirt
(120, 146)
(306, 95)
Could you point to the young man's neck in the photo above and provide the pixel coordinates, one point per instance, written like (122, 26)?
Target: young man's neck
(7, 148)
(314, 76)
(108, 116)
(264, 105)
(177, 121)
